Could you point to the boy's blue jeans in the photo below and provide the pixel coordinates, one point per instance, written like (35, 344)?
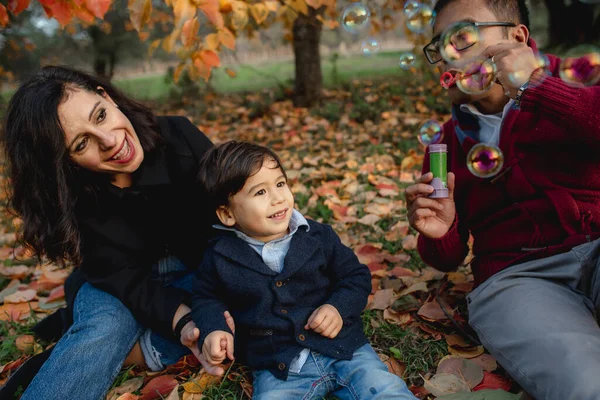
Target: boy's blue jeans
(87, 359)
(364, 377)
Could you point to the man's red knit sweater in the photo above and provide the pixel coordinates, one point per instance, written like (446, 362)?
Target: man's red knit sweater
(545, 200)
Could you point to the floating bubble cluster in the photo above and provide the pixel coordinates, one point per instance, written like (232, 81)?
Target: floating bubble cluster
(477, 77)
(410, 7)
(485, 160)
(522, 71)
(407, 59)
(370, 46)
(355, 17)
(420, 19)
(430, 132)
(581, 71)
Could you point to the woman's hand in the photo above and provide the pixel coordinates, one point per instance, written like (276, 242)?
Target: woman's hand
(189, 338)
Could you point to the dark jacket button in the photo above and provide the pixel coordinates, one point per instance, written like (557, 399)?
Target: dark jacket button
(279, 284)
(301, 337)
(284, 311)
(281, 366)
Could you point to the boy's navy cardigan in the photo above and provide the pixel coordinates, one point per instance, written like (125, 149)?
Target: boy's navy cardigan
(270, 309)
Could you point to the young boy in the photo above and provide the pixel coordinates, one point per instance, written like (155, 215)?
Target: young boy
(294, 290)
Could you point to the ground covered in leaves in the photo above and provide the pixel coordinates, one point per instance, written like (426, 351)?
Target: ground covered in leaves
(348, 162)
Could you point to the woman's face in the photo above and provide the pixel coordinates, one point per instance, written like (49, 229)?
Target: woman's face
(98, 136)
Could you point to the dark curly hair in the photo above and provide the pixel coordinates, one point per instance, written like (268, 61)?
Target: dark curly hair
(44, 185)
(515, 11)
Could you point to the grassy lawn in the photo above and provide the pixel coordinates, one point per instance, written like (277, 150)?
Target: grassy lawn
(257, 77)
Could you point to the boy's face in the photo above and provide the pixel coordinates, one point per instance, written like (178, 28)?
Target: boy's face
(263, 208)
(474, 11)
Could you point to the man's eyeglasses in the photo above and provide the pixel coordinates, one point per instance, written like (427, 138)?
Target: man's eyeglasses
(459, 37)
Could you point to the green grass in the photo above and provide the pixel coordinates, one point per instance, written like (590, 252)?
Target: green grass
(419, 354)
(269, 75)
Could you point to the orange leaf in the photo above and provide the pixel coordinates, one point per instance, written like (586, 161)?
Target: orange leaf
(211, 9)
(60, 11)
(230, 72)
(98, 7)
(226, 38)
(183, 11)
(21, 296)
(139, 12)
(200, 384)
(260, 12)
(225, 6)
(202, 69)
(210, 58)
(12, 312)
(25, 343)
(3, 16)
(158, 387)
(153, 46)
(56, 293)
(16, 6)
(272, 5)
(190, 31)
(84, 14)
(177, 72)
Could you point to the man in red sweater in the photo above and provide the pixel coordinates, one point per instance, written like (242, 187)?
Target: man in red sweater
(536, 223)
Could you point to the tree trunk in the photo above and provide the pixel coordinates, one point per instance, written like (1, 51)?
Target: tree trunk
(309, 78)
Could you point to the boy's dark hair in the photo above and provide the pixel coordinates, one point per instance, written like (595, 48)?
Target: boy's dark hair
(505, 10)
(224, 169)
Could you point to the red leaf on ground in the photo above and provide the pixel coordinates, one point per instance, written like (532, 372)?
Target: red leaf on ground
(493, 381)
(158, 387)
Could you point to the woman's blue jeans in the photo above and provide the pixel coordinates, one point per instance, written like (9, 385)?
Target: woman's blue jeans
(87, 359)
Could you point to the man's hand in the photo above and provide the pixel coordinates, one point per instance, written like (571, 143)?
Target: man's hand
(515, 62)
(430, 217)
(217, 346)
(189, 338)
(325, 320)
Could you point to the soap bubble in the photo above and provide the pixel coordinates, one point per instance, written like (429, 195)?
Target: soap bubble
(370, 46)
(581, 71)
(410, 7)
(460, 43)
(485, 160)
(430, 132)
(477, 77)
(355, 17)
(420, 19)
(407, 59)
(521, 73)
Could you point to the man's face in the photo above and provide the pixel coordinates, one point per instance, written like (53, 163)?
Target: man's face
(474, 11)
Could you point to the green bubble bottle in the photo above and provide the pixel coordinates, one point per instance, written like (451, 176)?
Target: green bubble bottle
(438, 165)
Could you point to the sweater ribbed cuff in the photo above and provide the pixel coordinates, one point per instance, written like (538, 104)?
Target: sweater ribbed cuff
(442, 252)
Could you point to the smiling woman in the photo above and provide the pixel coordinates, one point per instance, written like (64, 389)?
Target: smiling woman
(102, 183)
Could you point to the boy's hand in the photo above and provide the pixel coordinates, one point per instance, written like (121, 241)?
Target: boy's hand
(217, 346)
(325, 320)
(189, 338)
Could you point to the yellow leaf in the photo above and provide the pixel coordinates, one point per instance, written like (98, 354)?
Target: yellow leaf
(226, 38)
(190, 31)
(177, 72)
(298, 5)
(314, 3)
(201, 69)
(169, 41)
(225, 6)
(259, 12)
(212, 41)
(143, 36)
(153, 46)
(272, 5)
(139, 12)
(183, 11)
(200, 384)
(239, 19)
